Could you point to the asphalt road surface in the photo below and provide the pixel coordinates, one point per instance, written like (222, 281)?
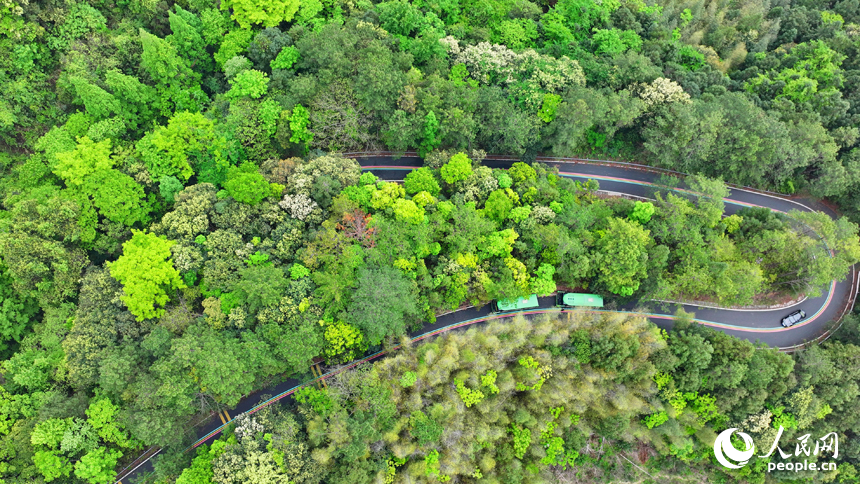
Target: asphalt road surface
(753, 325)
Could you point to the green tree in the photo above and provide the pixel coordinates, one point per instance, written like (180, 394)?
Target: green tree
(299, 122)
(97, 467)
(430, 140)
(270, 14)
(187, 38)
(188, 140)
(407, 211)
(642, 212)
(383, 304)
(622, 256)
(178, 86)
(99, 103)
(117, 197)
(498, 206)
(458, 168)
(16, 313)
(136, 100)
(102, 414)
(87, 158)
(146, 272)
(249, 83)
(261, 286)
(286, 58)
(421, 180)
(246, 184)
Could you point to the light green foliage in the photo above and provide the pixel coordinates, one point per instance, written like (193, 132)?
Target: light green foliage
(470, 397)
(146, 272)
(50, 432)
(421, 179)
(548, 108)
(642, 212)
(368, 178)
(612, 42)
(516, 33)
(408, 379)
(319, 400)
(299, 122)
(200, 471)
(298, 271)
(97, 467)
(521, 173)
(269, 14)
(52, 465)
(458, 168)
(655, 419)
(498, 206)
(623, 256)
(245, 184)
(249, 83)
(498, 244)
(57, 140)
(519, 214)
(733, 223)
(489, 380)
(386, 195)
(543, 283)
(87, 158)
(179, 147)
(344, 342)
(522, 439)
(422, 199)
(816, 69)
(117, 197)
(233, 44)
(286, 58)
(102, 414)
(431, 463)
(407, 211)
(430, 140)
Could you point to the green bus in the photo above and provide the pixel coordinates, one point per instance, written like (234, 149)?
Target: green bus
(575, 299)
(529, 302)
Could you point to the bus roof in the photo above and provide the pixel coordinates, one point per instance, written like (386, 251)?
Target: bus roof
(519, 303)
(576, 299)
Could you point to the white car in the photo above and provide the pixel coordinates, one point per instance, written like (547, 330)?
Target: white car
(793, 318)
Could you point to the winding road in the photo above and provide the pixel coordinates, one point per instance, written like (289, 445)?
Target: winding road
(753, 325)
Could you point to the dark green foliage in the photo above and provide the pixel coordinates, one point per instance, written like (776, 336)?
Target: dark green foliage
(383, 303)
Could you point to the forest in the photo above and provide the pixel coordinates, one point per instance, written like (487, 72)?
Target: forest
(182, 225)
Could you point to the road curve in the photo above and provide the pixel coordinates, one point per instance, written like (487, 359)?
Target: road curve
(759, 325)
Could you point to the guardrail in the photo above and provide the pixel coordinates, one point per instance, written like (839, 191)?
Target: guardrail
(653, 169)
(847, 306)
(637, 166)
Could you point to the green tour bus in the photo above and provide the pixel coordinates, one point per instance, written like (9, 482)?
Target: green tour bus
(575, 299)
(529, 302)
